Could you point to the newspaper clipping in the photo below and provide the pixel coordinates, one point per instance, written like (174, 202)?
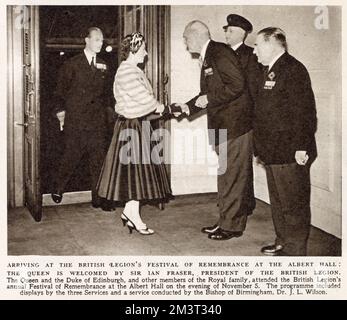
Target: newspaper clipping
(256, 214)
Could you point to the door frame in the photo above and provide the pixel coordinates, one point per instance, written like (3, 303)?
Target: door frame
(23, 116)
(32, 132)
(15, 110)
(15, 95)
(149, 20)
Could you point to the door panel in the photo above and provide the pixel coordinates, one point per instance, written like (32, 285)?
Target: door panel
(156, 29)
(33, 199)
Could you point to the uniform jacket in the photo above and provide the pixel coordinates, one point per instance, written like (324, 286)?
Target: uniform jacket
(285, 113)
(223, 80)
(251, 67)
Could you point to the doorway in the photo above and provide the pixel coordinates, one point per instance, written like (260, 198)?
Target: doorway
(62, 33)
(40, 39)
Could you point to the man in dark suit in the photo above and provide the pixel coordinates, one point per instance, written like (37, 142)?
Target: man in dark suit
(224, 93)
(284, 129)
(81, 92)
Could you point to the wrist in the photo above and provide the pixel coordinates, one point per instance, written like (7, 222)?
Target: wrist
(160, 109)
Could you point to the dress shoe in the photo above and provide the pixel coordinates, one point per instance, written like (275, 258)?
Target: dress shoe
(96, 204)
(103, 206)
(272, 249)
(211, 229)
(57, 196)
(145, 231)
(221, 234)
(108, 207)
(124, 219)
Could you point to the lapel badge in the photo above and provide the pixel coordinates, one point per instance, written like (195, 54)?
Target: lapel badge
(205, 63)
(101, 66)
(271, 75)
(208, 72)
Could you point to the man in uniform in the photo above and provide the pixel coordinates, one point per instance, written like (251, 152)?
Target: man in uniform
(236, 32)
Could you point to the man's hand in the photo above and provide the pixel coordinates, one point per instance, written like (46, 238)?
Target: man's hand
(301, 157)
(178, 108)
(201, 102)
(173, 110)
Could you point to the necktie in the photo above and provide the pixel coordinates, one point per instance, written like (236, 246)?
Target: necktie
(200, 62)
(92, 64)
(266, 71)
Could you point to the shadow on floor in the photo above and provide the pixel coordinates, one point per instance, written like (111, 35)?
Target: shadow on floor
(80, 229)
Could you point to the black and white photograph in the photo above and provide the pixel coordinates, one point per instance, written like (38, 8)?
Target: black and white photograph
(174, 130)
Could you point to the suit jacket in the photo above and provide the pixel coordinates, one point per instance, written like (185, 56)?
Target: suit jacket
(82, 91)
(223, 80)
(250, 65)
(285, 113)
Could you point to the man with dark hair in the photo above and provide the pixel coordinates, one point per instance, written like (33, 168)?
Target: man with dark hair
(81, 92)
(284, 128)
(224, 93)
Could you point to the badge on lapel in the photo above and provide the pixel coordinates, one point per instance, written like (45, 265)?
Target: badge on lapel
(269, 84)
(208, 72)
(101, 66)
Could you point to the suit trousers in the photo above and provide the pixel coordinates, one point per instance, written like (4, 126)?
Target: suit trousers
(77, 144)
(235, 182)
(289, 190)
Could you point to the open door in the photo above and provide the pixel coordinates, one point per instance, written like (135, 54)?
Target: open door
(31, 121)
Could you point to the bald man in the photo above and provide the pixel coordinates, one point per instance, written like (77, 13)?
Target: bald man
(224, 94)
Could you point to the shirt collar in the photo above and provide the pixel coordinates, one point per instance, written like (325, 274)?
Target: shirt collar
(90, 56)
(236, 46)
(275, 59)
(203, 49)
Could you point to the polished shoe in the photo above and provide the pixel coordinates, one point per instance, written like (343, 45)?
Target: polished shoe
(96, 204)
(108, 208)
(103, 206)
(221, 234)
(211, 229)
(131, 226)
(272, 249)
(57, 197)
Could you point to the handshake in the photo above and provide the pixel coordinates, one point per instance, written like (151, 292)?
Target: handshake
(175, 110)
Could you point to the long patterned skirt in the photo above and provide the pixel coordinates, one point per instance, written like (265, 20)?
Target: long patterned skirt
(132, 169)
